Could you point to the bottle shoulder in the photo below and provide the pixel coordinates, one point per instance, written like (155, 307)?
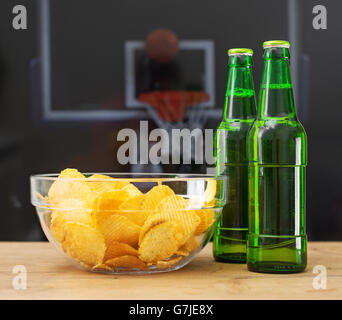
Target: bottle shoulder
(234, 130)
(270, 129)
(236, 124)
(274, 141)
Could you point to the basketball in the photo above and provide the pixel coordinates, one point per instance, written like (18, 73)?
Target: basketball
(161, 45)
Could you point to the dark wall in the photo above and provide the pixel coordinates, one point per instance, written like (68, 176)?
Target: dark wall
(323, 125)
(87, 41)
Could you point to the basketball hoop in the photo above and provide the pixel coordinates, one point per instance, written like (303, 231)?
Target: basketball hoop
(170, 105)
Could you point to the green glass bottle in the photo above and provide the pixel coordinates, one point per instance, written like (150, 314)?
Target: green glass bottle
(277, 154)
(229, 241)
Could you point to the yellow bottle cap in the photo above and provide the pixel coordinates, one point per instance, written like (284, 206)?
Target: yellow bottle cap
(238, 51)
(276, 43)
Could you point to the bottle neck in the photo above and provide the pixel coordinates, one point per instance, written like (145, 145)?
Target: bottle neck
(276, 95)
(240, 95)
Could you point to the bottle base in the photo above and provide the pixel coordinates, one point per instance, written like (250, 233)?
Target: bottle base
(229, 245)
(275, 267)
(276, 254)
(231, 258)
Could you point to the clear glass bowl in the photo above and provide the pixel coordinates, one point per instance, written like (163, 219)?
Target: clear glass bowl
(116, 224)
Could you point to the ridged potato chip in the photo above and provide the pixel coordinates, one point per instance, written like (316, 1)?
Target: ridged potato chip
(71, 173)
(84, 243)
(164, 264)
(132, 190)
(108, 185)
(118, 228)
(133, 203)
(188, 246)
(108, 203)
(126, 262)
(191, 244)
(151, 221)
(207, 217)
(75, 210)
(160, 242)
(172, 208)
(131, 209)
(64, 188)
(117, 249)
(111, 200)
(154, 196)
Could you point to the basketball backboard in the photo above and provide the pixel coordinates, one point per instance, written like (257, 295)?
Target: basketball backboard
(72, 82)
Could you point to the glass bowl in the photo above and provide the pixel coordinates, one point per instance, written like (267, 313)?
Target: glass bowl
(128, 223)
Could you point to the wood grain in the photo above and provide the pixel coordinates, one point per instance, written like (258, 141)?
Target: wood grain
(50, 276)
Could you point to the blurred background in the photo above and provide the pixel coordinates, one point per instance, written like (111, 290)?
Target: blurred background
(83, 70)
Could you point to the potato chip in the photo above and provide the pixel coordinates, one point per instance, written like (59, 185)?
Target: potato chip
(101, 267)
(110, 184)
(104, 186)
(154, 196)
(46, 199)
(71, 173)
(207, 217)
(160, 242)
(188, 246)
(151, 221)
(131, 209)
(158, 218)
(117, 249)
(164, 264)
(132, 190)
(172, 207)
(182, 252)
(113, 183)
(191, 244)
(84, 243)
(172, 202)
(210, 192)
(74, 210)
(108, 203)
(132, 204)
(98, 176)
(111, 200)
(65, 187)
(118, 228)
(126, 262)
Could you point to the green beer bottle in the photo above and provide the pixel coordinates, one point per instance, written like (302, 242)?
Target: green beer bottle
(277, 154)
(229, 241)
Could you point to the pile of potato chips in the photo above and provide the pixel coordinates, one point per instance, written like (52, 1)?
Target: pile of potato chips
(109, 224)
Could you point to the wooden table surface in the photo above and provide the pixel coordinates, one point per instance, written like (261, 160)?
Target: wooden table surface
(50, 276)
